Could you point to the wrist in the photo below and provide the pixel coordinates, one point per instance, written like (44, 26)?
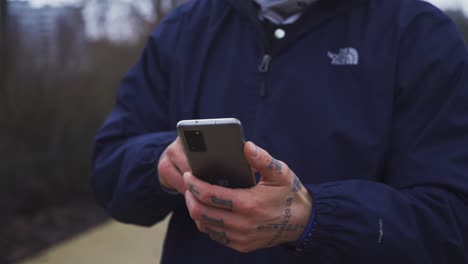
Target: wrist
(306, 211)
(301, 212)
(306, 237)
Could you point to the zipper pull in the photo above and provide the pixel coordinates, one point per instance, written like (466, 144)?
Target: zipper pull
(263, 68)
(265, 63)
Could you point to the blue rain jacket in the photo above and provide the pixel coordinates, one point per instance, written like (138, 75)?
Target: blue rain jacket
(367, 101)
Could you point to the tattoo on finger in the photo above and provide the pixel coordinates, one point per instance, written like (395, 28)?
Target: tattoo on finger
(275, 164)
(208, 220)
(297, 185)
(193, 189)
(218, 236)
(228, 204)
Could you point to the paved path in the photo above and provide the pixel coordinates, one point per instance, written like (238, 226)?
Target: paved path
(110, 242)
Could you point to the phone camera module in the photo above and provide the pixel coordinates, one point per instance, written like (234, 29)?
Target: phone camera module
(195, 140)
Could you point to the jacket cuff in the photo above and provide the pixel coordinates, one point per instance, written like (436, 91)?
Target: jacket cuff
(323, 208)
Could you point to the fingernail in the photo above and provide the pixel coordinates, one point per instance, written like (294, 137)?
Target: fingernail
(253, 149)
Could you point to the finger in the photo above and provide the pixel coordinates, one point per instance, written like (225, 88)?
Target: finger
(224, 236)
(170, 175)
(215, 234)
(177, 156)
(234, 200)
(230, 239)
(180, 162)
(214, 217)
(273, 171)
(202, 213)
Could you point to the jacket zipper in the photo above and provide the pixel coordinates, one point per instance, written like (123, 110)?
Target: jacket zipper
(264, 68)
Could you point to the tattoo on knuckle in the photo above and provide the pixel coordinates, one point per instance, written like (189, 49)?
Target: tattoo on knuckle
(217, 236)
(275, 165)
(193, 189)
(212, 221)
(227, 204)
(297, 185)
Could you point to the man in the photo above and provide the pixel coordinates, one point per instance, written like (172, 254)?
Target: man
(365, 102)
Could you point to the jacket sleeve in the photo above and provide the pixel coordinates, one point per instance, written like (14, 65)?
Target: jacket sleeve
(129, 144)
(419, 212)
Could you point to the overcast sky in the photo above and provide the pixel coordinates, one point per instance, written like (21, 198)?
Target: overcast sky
(451, 4)
(444, 4)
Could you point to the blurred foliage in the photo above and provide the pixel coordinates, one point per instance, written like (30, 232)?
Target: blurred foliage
(59, 88)
(51, 114)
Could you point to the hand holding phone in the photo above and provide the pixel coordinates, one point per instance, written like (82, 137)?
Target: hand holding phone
(215, 151)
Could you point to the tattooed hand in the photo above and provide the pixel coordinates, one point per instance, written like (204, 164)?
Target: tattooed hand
(172, 165)
(272, 213)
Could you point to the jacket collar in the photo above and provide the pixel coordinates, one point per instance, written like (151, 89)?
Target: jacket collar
(246, 7)
(312, 17)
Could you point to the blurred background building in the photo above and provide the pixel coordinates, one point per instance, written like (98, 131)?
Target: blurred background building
(60, 64)
(49, 31)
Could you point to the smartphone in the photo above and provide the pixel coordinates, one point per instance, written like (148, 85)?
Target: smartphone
(215, 151)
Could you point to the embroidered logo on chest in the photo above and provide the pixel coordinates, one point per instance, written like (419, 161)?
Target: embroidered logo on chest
(345, 56)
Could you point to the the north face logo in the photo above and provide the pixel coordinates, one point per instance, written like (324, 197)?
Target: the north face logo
(346, 56)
